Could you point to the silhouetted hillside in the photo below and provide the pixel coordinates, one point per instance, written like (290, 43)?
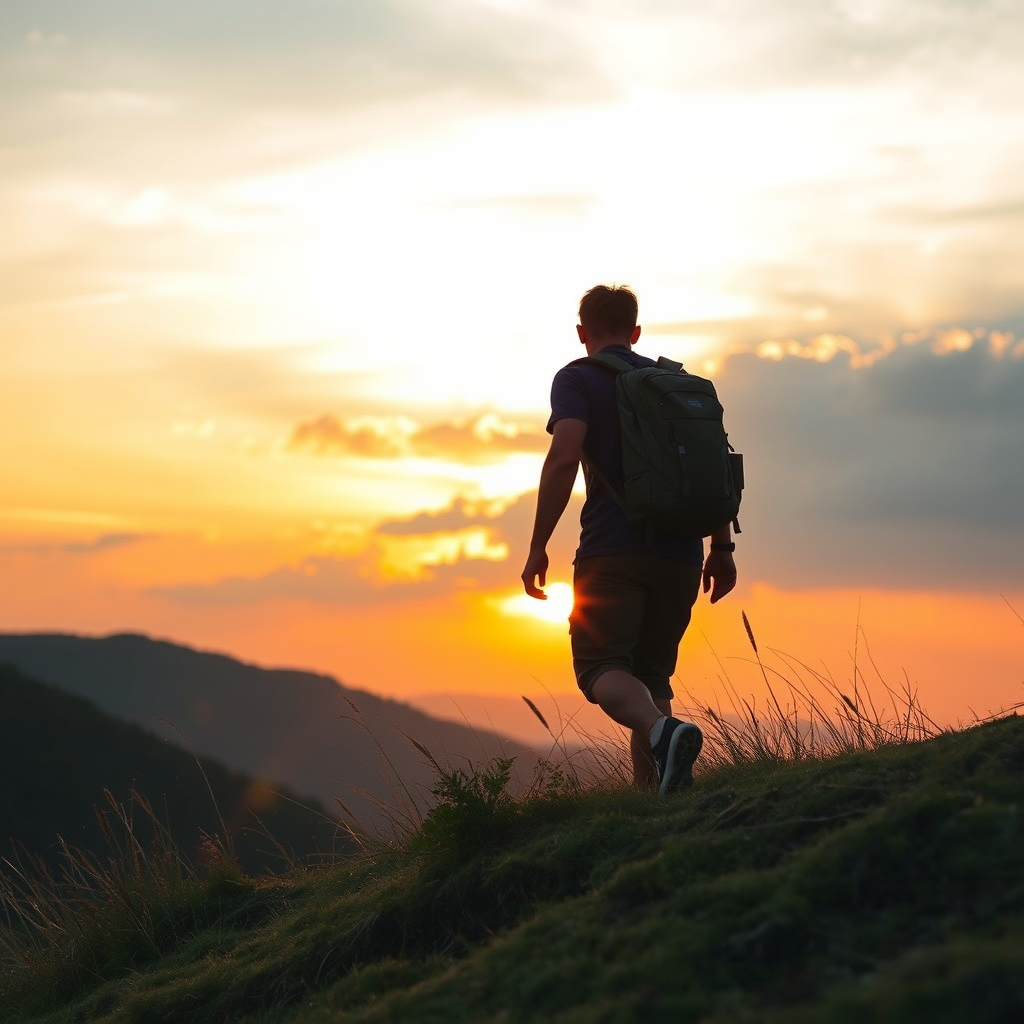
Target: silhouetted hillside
(876, 886)
(59, 752)
(303, 730)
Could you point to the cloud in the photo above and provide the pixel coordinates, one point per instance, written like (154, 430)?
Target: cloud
(907, 471)
(104, 542)
(357, 579)
(37, 38)
(344, 582)
(282, 55)
(331, 580)
(507, 522)
(108, 542)
(1008, 209)
(375, 438)
(200, 99)
(172, 118)
(801, 43)
(461, 514)
(485, 438)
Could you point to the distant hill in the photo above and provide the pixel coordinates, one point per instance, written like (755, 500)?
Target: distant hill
(298, 729)
(59, 752)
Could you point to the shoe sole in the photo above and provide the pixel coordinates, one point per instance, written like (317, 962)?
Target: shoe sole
(683, 750)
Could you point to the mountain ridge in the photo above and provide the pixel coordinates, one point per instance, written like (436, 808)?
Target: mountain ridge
(66, 767)
(302, 729)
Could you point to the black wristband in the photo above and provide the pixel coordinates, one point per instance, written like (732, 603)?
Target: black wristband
(731, 546)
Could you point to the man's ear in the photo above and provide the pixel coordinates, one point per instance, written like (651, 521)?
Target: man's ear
(635, 336)
(581, 333)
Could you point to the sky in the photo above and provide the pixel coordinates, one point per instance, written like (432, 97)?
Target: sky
(283, 286)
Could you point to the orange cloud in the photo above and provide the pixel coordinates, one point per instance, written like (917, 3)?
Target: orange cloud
(823, 348)
(485, 438)
(378, 437)
(95, 545)
(461, 514)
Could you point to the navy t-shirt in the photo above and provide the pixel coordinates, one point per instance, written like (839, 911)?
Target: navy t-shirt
(588, 393)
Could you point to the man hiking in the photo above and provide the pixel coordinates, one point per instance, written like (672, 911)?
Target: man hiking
(633, 585)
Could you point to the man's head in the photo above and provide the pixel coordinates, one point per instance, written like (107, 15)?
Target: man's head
(608, 315)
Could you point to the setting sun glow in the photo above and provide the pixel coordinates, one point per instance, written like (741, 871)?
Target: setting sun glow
(555, 609)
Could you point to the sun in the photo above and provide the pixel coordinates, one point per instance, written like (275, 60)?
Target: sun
(555, 609)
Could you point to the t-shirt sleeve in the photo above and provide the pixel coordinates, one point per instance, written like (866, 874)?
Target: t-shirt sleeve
(568, 397)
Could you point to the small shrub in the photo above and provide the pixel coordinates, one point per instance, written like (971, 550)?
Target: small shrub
(472, 808)
(553, 781)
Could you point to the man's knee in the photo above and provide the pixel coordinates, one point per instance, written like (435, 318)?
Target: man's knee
(587, 676)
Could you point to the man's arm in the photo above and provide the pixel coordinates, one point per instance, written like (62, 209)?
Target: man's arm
(556, 482)
(719, 566)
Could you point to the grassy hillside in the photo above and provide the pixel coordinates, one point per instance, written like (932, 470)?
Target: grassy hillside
(58, 753)
(885, 885)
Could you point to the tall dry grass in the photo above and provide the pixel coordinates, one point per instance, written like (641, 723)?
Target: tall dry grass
(132, 895)
(805, 713)
(802, 713)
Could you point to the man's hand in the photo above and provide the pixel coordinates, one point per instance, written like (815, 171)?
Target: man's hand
(720, 569)
(536, 569)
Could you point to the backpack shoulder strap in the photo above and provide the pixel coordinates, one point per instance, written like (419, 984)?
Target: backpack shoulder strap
(606, 361)
(618, 365)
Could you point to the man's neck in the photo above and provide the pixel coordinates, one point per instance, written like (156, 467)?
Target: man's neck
(604, 346)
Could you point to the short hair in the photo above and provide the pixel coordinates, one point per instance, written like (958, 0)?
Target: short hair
(608, 312)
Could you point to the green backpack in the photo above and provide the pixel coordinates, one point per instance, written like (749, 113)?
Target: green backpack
(681, 474)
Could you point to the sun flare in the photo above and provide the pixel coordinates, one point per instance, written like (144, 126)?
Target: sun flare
(555, 609)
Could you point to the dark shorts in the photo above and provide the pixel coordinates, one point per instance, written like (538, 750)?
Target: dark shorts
(630, 612)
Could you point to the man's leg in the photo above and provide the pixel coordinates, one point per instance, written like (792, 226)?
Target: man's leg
(627, 701)
(667, 614)
(645, 774)
(607, 625)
